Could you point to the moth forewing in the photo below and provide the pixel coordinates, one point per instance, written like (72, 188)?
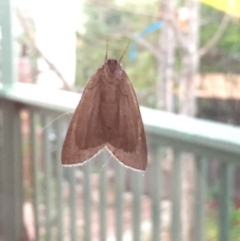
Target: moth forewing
(79, 145)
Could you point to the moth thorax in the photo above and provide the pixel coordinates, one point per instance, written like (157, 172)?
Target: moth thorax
(109, 93)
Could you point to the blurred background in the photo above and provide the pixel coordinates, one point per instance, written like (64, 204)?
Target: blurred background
(183, 59)
(192, 58)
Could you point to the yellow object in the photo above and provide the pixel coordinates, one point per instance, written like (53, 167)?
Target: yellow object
(232, 7)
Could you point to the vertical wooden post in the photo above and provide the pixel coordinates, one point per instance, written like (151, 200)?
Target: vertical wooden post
(11, 201)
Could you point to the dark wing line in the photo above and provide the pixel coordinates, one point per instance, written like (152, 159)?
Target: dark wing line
(73, 152)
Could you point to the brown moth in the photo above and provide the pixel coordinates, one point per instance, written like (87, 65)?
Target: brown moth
(108, 116)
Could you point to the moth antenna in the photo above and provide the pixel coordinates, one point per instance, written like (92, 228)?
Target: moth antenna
(106, 55)
(124, 51)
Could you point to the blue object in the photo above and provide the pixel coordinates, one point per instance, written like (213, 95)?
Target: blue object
(149, 29)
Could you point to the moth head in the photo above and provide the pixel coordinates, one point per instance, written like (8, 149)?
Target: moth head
(112, 66)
